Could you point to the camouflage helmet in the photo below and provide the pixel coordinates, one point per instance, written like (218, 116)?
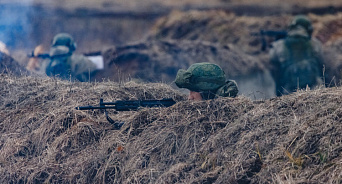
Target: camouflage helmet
(64, 39)
(303, 22)
(201, 77)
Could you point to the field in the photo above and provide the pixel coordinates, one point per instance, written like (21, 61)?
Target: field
(254, 138)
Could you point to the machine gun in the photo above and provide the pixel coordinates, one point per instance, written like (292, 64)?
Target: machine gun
(46, 56)
(277, 35)
(130, 105)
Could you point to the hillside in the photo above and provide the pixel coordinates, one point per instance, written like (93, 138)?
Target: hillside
(290, 139)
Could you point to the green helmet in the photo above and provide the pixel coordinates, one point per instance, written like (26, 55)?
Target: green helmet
(201, 77)
(303, 22)
(64, 39)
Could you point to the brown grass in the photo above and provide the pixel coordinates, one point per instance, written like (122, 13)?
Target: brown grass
(226, 28)
(9, 65)
(159, 60)
(291, 139)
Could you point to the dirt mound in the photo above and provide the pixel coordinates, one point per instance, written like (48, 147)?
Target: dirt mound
(281, 140)
(9, 65)
(159, 60)
(217, 26)
(228, 28)
(43, 137)
(329, 28)
(291, 139)
(222, 27)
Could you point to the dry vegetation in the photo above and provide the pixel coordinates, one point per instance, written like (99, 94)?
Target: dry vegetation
(159, 60)
(228, 28)
(222, 27)
(9, 65)
(292, 139)
(217, 26)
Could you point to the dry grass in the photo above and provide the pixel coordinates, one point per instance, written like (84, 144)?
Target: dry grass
(43, 137)
(159, 60)
(9, 65)
(225, 28)
(292, 139)
(217, 26)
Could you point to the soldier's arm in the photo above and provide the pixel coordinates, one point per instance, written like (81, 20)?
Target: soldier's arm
(230, 89)
(318, 52)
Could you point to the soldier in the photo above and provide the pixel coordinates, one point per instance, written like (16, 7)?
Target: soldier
(206, 81)
(297, 60)
(64, 64)
(33, 64)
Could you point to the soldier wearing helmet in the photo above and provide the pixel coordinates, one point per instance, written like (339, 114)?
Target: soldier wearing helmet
(205, 81)
(297, 60)
(64, 64)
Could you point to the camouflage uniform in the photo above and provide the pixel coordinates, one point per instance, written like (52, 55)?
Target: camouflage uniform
(64, 63)
(208, 79)
(296, 61)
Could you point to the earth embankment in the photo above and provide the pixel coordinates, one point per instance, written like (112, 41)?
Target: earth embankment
(44, 139)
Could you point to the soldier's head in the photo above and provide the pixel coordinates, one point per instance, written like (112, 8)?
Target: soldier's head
(202, 79)
(301, 25)
(64, 39)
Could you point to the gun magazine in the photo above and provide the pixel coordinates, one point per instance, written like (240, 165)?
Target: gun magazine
(117, 125)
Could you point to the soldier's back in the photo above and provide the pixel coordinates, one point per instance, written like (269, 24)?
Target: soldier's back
(82, 68)
(297, 63)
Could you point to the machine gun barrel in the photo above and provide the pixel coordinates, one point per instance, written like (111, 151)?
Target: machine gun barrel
(277, 35)
(123, 105)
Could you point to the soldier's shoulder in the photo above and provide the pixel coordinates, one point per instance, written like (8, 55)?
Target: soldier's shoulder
(278, 43)
(82, 62)
(277, 47)
(317, 45)
(79, 57)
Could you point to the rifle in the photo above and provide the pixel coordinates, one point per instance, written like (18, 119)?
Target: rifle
(129, 105)
(47, 56)
(277, 35)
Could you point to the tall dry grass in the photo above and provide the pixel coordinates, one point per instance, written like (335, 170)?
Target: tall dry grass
(43, 139)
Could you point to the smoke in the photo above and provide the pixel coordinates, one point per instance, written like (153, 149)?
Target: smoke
(15, 26)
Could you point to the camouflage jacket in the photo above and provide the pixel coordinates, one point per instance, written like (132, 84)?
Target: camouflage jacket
(296, 62)
(74, 67)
